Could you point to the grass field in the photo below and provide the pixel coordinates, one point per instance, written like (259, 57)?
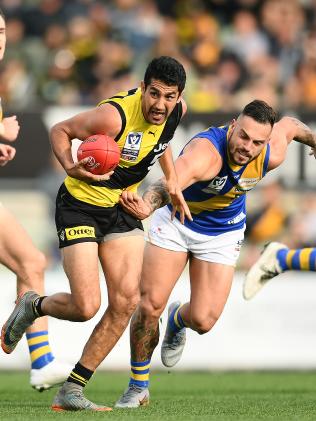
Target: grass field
(176, 396)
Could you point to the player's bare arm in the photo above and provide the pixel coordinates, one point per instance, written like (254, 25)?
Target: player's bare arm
(9, 128)
(171, 183)
(7, 153)
(101, 120)
(200, 161)
(284, 131)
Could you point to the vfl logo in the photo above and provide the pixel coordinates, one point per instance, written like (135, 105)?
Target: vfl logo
(216, 185)
(133, 140)
(132, 145)
(83, 231)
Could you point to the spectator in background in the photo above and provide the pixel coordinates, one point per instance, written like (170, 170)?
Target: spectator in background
(272, 39)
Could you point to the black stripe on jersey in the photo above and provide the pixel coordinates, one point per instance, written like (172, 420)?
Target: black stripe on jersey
(172, 122)
(123, 117)
(124, 177)
(130, 92)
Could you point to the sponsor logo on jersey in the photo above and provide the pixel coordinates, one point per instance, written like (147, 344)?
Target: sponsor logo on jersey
(83, 231)
(132, 145)
(216, 185)
(237, 219)
(161, 147)
(246, 184)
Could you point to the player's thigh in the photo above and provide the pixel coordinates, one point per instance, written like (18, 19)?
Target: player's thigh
(161, 270)
(210, 287)
(121, 259)
(81, 266)
(16, 245)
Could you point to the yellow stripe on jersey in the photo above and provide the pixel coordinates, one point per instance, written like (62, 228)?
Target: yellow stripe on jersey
(250, 177)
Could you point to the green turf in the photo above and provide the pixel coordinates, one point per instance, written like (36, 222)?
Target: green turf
(177, 396)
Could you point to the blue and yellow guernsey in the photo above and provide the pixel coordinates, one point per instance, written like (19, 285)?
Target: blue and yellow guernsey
(219, 205)
(141, 144)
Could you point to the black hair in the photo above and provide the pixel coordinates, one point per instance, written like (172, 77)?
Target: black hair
(260, 111)
(166, 69)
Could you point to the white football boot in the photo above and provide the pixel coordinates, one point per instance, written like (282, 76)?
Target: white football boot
(133, 397)
(52, 374)
(173, 343)
(266, 268)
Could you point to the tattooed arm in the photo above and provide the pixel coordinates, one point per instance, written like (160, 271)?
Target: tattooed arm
(284, 131)
(199, 161)
(154, 197)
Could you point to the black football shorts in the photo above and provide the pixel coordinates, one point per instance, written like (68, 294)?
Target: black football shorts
(79, 222)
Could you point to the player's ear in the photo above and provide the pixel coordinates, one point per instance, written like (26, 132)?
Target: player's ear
(179, 97)
(142, 86)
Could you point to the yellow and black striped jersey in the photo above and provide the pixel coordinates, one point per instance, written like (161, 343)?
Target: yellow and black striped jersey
(141, 144)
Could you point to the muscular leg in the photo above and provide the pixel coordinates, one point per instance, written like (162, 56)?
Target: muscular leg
(81, 267)
(210, 287)
(18, 253)
(161, 270)
(121, 260)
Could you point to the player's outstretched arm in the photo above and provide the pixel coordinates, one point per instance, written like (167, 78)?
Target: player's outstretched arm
(199, 161)
(154, 197)
(171, 183)
(284, 131)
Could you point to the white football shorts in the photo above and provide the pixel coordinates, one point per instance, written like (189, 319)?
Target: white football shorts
(172, 235)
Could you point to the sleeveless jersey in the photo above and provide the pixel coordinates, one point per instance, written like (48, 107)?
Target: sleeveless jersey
(141, 144)
(219, 205)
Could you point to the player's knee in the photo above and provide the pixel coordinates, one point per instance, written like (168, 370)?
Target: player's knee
(151, 309)
(125, 302)
(86, 310)
(85, 313)
(31, 270)
(203, 325)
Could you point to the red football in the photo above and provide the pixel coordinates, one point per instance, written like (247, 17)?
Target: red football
(102, 151)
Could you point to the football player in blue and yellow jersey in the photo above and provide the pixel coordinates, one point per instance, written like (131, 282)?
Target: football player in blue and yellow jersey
(18, 253)
(93, 227)
(215, 170)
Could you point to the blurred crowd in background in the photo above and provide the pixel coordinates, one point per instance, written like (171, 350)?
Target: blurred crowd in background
(81, 51)
(78, 52)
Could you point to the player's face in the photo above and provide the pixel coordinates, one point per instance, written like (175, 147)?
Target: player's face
(247, 139)
(2, 37)
(158, 101)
